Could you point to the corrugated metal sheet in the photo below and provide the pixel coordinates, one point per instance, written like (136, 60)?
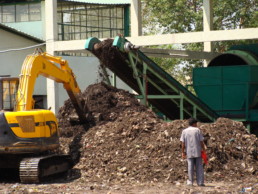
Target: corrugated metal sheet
(18, 32)
(107, 2)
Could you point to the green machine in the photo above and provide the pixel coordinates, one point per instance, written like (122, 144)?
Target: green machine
(229, 85)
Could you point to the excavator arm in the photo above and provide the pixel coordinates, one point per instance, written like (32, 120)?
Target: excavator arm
(44, 64)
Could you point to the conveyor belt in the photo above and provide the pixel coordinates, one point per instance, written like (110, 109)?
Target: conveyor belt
(149, 80)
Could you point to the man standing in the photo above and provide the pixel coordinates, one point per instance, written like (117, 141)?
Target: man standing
(192, 145)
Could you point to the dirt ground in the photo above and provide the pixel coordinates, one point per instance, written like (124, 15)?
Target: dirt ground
(78, 185)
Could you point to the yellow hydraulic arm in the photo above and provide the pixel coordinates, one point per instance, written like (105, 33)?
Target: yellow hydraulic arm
(44, 64)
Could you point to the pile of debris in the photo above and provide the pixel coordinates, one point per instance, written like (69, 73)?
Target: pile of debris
(233, 152)
(125, 141)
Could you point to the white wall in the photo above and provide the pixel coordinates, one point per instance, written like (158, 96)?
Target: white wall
(86, 72)
(11, 62)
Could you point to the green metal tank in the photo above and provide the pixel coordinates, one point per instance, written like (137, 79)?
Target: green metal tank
(229, 85)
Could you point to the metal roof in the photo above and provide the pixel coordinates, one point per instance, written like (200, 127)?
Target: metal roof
(18, 32)
(107, 2)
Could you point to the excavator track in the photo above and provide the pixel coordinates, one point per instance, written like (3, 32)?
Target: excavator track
(34, 169)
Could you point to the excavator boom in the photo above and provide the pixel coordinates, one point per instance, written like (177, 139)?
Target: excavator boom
(44, 64)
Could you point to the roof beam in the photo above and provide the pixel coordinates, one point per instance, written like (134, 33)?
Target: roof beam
(164, 39)
(166, 53)
(70, 45)
(194, 37)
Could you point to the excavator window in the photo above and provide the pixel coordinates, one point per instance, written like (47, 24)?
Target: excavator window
(8, 90)
(40, 101)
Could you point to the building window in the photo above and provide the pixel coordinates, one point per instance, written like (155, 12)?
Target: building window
(20, 12)
(79, 21)
(35, 12)
(8, 13)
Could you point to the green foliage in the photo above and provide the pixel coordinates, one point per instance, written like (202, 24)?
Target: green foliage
(173, 16)
(177, 16)
(187, 15)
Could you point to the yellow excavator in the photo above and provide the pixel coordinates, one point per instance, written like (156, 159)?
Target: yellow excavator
(29, 138)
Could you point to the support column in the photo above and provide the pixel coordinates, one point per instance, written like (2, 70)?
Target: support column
(136, 18)
(51, 36)
(181, 106)
(145, 84)
(207, 25)
(114, 80)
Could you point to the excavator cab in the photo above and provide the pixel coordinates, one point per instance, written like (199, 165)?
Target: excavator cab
(8, 91)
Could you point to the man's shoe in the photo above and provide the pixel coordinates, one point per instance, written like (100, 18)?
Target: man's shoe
(189, 183)
(201, 185)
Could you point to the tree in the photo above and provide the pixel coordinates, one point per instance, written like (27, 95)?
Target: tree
(177, 16)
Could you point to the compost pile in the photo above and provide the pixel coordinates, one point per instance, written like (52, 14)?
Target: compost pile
(124, 141)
